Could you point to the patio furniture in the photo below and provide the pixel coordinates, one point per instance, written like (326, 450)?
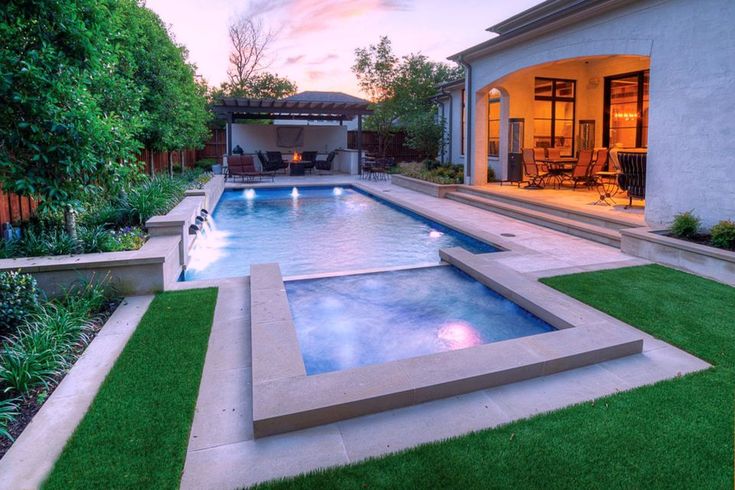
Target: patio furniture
(632, 178)
(326, 165)
(308, 160)
(532, 170)
(580, 172)
(242, 166)
(269, 168)
(276, 160)
(553, 153)
(598, 166)
(379, 169)
(558, 168)
(607, 187)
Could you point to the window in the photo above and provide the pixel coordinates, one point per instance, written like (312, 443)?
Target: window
(626, 110)
(493, 123)
(553, 124)
(463, 121)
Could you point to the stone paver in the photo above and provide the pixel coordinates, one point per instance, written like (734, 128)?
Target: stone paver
(216, 462)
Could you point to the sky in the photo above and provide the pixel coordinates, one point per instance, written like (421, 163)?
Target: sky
(316, 39)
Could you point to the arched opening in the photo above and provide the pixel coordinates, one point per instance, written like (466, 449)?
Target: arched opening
(564, 105)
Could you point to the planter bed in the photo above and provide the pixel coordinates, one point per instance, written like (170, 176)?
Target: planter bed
(423, 186)
(657, 246)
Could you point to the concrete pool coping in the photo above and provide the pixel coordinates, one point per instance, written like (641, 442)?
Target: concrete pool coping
(286, 399)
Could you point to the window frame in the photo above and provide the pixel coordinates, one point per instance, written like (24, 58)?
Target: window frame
(553, 99)
(639, 106)
(490, 101)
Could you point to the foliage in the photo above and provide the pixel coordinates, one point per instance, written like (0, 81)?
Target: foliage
(723, 234)
(43, 344)
(18, 299)
(59, 137)
(400, 90)
(435, 172)
(490, 174)
(8, 412)
(136, 431)
(205, 164)
(685, 225)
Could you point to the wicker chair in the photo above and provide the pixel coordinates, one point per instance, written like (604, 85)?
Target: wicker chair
(276, 160)
(308, 160)
(632, 178)
(326, 165)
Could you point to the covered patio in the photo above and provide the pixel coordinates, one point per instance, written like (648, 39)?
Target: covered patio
(308, 124)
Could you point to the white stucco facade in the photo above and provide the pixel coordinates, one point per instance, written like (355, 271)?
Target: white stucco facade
(256, 137)
(689, 48)
(450, 109)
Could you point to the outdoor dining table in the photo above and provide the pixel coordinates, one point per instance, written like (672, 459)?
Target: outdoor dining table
(557, 167)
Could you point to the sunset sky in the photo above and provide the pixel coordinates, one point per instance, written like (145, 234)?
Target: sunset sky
(316, 39)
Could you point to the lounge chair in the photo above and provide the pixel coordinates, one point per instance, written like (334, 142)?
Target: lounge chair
(326, 165)
(533, 171)
(308, 160)
(242, 166)
(632, 179)
(276, 160)
(268, 168)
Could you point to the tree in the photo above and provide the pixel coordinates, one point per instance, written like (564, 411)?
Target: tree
(249, 40)
(375, 68)
(59, 136)
(400, 90)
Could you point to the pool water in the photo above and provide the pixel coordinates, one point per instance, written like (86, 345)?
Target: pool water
(316, 230)
(350, 321)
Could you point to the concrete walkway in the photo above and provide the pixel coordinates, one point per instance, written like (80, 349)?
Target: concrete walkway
(223, 454)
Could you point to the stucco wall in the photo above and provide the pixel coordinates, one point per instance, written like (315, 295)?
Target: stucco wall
(691, 128)
(253, 137)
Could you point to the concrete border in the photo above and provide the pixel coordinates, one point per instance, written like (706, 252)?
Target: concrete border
(652, 244)
(154, 267)
(423, 186)
(31, 458)
(286, 399)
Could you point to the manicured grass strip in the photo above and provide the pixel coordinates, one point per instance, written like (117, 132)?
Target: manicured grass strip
(136, 432)
(675, 434)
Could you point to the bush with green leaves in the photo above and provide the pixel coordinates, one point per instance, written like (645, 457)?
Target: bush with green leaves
(44, 343)
(685, 225)
(8, 412)
(431, 171)
(723, 234)
(18, 299)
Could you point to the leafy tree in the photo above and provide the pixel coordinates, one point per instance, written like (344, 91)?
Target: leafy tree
(400, 90)
(59, 136)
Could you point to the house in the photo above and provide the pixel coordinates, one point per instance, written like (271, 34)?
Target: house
(654, 75)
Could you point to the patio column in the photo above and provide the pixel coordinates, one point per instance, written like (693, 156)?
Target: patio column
(229, 135)
(359, 144)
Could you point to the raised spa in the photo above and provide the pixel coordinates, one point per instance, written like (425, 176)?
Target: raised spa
(311, 230)
(350, 321)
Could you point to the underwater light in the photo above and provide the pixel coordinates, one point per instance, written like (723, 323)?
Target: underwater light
(250, 194)
(294, 192)
(435, 234)
(338, 191)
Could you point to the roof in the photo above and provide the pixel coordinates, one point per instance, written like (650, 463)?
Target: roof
(325, 106)
(544, 17)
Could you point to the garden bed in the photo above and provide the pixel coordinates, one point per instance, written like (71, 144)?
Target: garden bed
(658, 246)
(423, 186)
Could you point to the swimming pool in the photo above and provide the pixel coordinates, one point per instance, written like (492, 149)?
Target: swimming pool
(311, 230)
(351, 321)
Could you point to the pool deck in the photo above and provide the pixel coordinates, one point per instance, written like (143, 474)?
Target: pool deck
(223, 452)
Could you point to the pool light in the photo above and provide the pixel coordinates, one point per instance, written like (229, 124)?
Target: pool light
(337, 191)
(294, 193)
(249, 194)
(435, 234)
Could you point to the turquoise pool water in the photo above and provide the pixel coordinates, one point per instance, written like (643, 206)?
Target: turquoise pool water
(350, 321)
(316, 230)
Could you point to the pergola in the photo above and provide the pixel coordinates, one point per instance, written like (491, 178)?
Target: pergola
(304, 106)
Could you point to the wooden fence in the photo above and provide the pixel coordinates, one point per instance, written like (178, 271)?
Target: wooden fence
(215, 147)
(160, 160)
(15, 209)
(396, 146)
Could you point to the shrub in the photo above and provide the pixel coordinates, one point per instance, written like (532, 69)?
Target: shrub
(723, 234)
(8, 412)
(18, 299)
(37, 242)
(490, 174)
(205, 164)
(685, 225)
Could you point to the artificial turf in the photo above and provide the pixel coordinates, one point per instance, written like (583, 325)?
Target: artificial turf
(674, 434)
(136, 431)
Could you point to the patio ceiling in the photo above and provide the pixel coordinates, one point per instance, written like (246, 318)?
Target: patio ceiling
(324, 106)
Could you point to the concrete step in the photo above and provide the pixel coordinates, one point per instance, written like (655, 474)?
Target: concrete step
(611, 222)
(574, 227)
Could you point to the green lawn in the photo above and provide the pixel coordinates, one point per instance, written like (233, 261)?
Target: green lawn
(136, 432)
(675, 434)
